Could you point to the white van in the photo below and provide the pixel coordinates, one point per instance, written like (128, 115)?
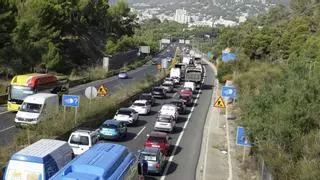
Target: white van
(175, 73)
(36, 108)
(40, 160)
(82, 140)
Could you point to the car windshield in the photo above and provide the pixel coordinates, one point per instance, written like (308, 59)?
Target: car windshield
(124, 112)
(110, 126)
(147, 97)
(149, 157)
(166, 84)
(20, 92)
(164, 119)
(157, 139)
(139, 104)
(157, 89)
(80, 140)
(30, 107)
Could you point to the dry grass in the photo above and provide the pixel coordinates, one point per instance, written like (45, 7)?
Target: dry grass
(3, 86)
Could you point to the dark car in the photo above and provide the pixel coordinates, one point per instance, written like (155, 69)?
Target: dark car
(158, 92)
(148, 97)
(181, 106)
(155, 159)
(112, 129)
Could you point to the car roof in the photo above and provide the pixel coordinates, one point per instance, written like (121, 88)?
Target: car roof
(111, 122)
(141, 101)
(158, 134)
(150, 150)
(126, 109)
(83, 132)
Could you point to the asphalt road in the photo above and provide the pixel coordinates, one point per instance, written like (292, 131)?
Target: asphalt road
(8, 130)
(186, 139)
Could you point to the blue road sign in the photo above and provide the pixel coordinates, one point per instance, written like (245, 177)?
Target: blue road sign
(242, 139)
(226, 57)
(70, 101)
(210, 54)
(228, 91)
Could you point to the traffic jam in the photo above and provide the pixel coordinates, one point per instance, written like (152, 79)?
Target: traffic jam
(184, 81)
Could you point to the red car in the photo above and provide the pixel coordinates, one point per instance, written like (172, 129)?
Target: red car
(158, 140)
(186, 96)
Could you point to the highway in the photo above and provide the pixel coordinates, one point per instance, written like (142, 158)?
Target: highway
(8, 129)
(185, 140)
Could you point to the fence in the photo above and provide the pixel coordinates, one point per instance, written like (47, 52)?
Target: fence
(264, 172)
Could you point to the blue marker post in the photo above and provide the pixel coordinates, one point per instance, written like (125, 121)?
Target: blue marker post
(71, 101)
(242, 140)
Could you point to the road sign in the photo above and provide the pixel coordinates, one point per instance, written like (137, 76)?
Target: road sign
(144, 49)
(91, 92)
(70, 101)
(242, 139)
(228, 91)
(102, 91)
(219, 103)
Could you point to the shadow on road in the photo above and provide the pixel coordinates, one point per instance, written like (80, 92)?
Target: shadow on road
(206, 87)
(178, 150)
(139, 123)
(172, 168)
(182, 119)
(177, 130)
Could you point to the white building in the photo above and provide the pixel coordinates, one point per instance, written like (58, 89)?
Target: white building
(182, 16)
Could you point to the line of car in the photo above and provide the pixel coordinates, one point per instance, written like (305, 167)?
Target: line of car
(157, 145)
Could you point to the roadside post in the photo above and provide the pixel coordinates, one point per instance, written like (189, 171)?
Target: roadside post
(91, 92)
(219, 104)
(242, 140)
(71, 101)
(164, 65)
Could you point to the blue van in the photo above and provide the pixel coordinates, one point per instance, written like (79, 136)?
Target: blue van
(103, 161)
(39, 161)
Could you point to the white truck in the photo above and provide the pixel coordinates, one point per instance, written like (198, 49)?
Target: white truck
(83, 139)
(36, 108)
(175, 74)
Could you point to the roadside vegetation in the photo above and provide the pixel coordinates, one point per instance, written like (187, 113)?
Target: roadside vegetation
(277, 74)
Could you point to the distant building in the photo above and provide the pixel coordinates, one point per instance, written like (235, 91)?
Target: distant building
(182, 16)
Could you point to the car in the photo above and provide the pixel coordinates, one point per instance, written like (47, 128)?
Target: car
(127, 115)
(158, 140)
(141, 106)
(148, 97)
(169, 80)
(191, 85)
(155, 159)
(154, 61)
(112, 129)
(165, 122)
(123, 74)
(182, 109)
(167, 86)
(187, 99)
(169, 109)
(159, 92)
(83, 139)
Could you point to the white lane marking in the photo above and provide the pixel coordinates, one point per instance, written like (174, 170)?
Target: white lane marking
(139, 132)
(181, 134)
(5, 112)
(2, 130)
(174, 95)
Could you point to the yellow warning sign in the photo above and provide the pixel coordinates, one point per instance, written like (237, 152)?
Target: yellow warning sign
(219, 103)
(102, 91)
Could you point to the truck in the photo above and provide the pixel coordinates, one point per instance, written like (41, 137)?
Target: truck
(25, 85)
(194, 74)
(40, 160)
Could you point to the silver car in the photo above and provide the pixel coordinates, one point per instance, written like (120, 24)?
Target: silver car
(167, 86)
(154, 158)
